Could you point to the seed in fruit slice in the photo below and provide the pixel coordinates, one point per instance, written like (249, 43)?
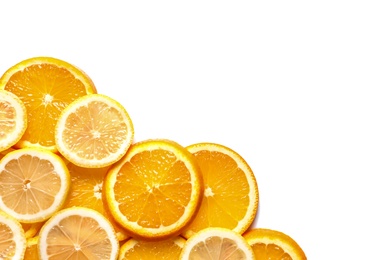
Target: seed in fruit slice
(86, 191)
(217, 243)
(94, 131)
(77, 233)
(166, 249)
(46, 86)
(155, 190)
(12, 239)
(231, 194)
(33, 184)
(13, 119)
(273, 245)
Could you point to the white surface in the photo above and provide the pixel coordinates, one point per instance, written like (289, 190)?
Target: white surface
(299, 88)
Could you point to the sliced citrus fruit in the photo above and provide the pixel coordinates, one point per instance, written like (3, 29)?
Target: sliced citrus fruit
(12, 239)
(273, 245)
(31, 229)
(86, 191)
(217, 243)
(94, 131)
(32, 249)
(33, 184)
(13, 119)
(231, 193)
(46, 86)
(3, 153)
(155, 189)
(166, 249)
(77, 233)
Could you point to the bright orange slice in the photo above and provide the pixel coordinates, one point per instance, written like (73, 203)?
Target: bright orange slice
(167, 249)
(217, 243)
(13, 119)
(231, 194)
(46, 86)
(33, 184)
(94, 131)
(77, 233)
(155, 190)
(86, 191)
(273, 245)
(32, 249)
(12, 239)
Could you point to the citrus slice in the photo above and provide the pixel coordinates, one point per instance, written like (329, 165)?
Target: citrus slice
(77, 233)
(86, 191)
(12, 239)
(155, 190)
(32, 249)
(13, 119)
(231, 194)
(31, 229)
(217, 243)
(33, 184)
(273, 245)
(46, 86)
(94, 131)
(167, 249)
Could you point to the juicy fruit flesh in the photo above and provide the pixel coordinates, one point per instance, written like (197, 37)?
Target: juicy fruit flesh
(217, 248)
(7, 120)
(92, 136)
(31, 181)
(226, 191)
(65, 243)
(170, 187)
(270, 251)
(39, 87)
(6, 242)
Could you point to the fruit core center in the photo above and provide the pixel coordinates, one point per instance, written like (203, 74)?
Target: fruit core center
(97, 190)
(47, 99)
(208, 192)
(26, 184)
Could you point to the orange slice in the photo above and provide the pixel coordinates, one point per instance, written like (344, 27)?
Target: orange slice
(94, 131)
(13, 119)
(77, 233)
(46, 86)
(12, 239)
(155, 190)
(32, 249)
(273, 245)
(231, 194)
(167, 249)
(217, 243)
(31, 229)
(33, 184)
(86, 191)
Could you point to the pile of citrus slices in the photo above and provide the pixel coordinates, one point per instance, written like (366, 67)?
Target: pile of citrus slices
(75, 185)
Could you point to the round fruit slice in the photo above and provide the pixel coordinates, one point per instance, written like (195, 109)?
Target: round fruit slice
(13, 119)
(273, 245)
(12, 239)
(167, 249)
(231, 194)
(46, 86)
(94, 131)
(217, 243)
(155, 190)
(33, 184)
(78, 233)
(86, 191)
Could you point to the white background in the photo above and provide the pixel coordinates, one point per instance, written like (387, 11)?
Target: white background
(299, 88)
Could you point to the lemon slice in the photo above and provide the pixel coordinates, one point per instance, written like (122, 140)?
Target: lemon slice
(12, 239)
(78, 233)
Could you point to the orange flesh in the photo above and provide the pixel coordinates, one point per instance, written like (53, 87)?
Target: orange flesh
(226, 191)
(270, 251)
(30, 182)
(158, 250)
(46, 90)
(65, 243)
(149, 185)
